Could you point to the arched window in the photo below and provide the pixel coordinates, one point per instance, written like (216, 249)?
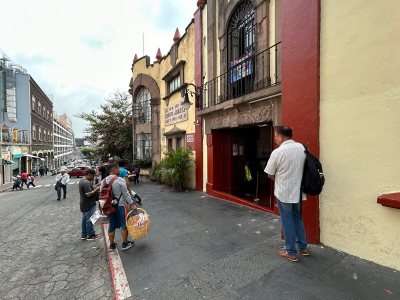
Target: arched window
(143, 106)
(241, 49)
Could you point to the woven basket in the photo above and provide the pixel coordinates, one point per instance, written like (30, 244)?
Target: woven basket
(137, 232)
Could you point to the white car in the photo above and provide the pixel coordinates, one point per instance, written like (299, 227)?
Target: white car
(70, 166)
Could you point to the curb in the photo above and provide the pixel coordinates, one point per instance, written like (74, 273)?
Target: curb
(7, 189)
(120, 282)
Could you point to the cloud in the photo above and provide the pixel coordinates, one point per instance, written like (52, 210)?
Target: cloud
(81, 52)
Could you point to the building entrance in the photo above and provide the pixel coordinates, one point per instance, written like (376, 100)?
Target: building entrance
(233, 149)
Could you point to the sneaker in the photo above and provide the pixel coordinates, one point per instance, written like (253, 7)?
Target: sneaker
(83, 237)
(113, 246)
(126, 245)
(286, 255)
(93, 237)
(58, 199)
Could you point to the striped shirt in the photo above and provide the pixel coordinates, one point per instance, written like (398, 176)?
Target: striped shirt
(287, 164)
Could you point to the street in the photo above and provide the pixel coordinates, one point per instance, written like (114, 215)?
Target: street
(42, 254)
(199, 247)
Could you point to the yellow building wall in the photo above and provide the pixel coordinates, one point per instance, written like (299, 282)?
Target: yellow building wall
(158, 71)
(360, 122)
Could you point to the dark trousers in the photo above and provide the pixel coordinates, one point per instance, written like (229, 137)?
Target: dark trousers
(24, 181)
(31, 183)
(136, 179)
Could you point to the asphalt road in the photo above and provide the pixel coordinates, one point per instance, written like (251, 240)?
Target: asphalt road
(42, 254)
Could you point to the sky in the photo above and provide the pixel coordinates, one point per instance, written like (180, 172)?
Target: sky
(80, 51)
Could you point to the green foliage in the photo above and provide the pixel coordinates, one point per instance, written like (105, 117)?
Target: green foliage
(156, 172)
(110, 127)
(86, 150)
(144, 163)
(175, 167)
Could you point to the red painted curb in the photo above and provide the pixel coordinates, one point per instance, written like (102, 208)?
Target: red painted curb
(120, 282)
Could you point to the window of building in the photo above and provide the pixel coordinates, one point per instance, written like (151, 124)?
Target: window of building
(174, 83)
(48, 137)
(241, 49)
(44, 134)
(142, 106)
(40, 133)
(169, 144)
(48, 114)
(34, 132)
(178, 143)
(39, 108)
(143, 145)
(33, 103)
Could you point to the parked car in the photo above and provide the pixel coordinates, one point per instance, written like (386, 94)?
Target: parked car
(70, 166)
(78, 171)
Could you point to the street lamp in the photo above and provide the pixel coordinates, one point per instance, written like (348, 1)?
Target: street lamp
(186, 103)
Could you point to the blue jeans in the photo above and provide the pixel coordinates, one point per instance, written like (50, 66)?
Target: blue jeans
(87, 226)
(292, 227)
(64, 187)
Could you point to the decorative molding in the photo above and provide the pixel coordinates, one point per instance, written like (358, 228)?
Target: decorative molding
(224, 122)
(257, 115)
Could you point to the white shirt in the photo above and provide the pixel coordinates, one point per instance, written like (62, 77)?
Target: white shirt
(287, 164)
(64, 178)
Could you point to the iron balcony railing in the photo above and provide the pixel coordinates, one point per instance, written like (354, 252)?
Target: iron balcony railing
(246, 75)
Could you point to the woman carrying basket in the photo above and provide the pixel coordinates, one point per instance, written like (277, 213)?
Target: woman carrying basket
(117, 220)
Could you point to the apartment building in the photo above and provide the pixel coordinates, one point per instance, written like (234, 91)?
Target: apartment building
(63, 140)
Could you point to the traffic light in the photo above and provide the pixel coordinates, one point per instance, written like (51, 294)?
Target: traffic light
(15, 135)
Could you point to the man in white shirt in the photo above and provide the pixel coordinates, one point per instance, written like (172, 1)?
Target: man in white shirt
(61, 182)
(285, 167)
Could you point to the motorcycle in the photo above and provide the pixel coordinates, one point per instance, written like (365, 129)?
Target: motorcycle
(53, 172)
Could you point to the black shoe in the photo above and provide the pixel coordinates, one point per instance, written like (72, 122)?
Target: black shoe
(63, 197)
(58, 199)
(113, 246)
(138, 199)
(126, 245)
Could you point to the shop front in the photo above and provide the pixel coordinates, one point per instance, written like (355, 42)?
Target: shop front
(14, 161)
(238, 137)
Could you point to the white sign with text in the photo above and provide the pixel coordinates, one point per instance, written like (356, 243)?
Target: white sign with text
(175, 113)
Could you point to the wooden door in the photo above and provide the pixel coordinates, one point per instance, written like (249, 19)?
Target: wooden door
(227, 157)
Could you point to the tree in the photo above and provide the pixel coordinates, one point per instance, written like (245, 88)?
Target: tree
(110, 128)
(86, 150)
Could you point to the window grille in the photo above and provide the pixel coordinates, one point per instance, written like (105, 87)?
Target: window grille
(143, 145)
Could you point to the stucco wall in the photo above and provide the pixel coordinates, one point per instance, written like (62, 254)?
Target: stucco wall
(359, 138)
(157, 72)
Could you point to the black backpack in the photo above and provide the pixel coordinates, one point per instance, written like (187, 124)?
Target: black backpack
(313, 177)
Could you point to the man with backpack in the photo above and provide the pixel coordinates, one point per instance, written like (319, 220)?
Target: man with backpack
(122, 199)
(88, 205)
(285, 166)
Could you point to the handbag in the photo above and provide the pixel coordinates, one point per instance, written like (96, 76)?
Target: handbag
(58, 183)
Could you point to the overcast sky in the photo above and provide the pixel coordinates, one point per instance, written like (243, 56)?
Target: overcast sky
(79, 51)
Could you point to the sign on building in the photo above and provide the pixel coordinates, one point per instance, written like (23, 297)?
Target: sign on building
(175, 113)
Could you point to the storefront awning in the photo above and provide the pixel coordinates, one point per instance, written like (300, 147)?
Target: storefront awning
(32, 156)
(6, 161)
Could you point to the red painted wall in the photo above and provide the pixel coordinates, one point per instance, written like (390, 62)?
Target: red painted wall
(198, 137)
(300, 86)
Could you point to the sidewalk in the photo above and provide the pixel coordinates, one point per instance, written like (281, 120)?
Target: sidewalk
(201, 247)
(8, 186)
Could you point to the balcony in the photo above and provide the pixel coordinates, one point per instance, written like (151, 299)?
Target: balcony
(251, 75)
